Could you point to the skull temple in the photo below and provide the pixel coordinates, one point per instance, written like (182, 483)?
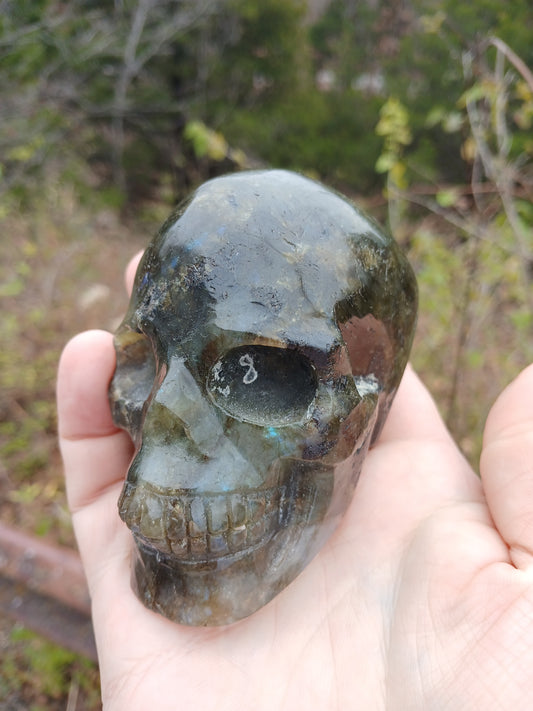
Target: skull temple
(268, 329)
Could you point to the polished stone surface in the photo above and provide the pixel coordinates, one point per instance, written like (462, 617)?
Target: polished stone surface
(268, 329)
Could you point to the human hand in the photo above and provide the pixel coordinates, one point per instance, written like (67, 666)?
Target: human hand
(423, 599)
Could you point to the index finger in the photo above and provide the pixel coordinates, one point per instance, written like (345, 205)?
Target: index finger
(131, 270)
(95, 452)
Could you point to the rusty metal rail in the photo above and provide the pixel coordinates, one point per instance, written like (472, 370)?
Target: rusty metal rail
(43, 586)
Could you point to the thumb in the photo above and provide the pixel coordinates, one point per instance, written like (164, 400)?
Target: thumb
(507, 466)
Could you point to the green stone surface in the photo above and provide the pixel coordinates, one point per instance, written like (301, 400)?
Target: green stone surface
(268, 330)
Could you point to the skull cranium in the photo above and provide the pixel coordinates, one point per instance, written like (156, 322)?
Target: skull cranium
(268, 329)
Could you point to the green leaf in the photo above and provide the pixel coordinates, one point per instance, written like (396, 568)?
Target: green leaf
(205, 141)
(453, 122)
(522, 320)
(431, 24)
(476, 92)
(435, 116)
(12, 288)
(385, 162)
(447, 198)
(475, 358)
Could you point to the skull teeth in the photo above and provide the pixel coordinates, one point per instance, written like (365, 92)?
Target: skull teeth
(192, 527)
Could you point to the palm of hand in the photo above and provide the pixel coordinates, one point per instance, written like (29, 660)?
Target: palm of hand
(416, 603)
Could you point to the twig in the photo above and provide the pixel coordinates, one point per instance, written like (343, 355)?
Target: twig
(128, 71)
(451, 217)
(73, 693)
(496, 167)
(518, 64)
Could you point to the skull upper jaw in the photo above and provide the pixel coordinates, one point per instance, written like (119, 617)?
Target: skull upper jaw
(212, 559)
(223, 590)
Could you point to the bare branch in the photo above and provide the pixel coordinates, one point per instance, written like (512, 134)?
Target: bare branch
(179, 23)
(496, 166)
(500, 106)
(516, 61)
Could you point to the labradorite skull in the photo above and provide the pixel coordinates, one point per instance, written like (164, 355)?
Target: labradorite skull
(268, 329)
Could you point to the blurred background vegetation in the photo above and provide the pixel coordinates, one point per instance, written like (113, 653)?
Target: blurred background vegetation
(112, 110)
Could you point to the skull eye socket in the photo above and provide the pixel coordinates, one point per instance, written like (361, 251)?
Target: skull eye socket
(133, 378)
(263, 385)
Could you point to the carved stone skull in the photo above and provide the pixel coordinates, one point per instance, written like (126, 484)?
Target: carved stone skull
(268, 329)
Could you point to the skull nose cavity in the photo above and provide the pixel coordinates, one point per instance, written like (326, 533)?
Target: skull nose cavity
(181, 424)
(180, 395)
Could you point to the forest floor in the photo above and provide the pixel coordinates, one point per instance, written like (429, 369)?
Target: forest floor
(61, 272)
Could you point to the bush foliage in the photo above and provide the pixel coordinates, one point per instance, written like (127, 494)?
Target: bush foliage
(117, 83)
